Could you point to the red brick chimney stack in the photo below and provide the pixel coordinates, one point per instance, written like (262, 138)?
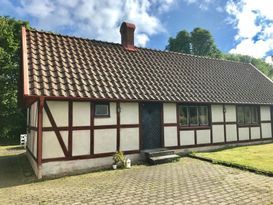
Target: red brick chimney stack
(127, 36)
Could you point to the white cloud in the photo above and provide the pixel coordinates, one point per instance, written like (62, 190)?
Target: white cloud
(254, 23)
(96, 19)
(269, 60)
(202, 4)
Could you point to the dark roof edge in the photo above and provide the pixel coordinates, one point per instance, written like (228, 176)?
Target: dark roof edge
(118, 44)
(261, 72)
(53, 98)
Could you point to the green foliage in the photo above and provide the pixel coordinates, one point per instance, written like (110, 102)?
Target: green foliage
(266, 68)
(181, 43)
(12, 118)
(119, 159)
(203, 44)
(198, 42)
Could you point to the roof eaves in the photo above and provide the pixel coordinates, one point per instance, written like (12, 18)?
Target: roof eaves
(25, 62)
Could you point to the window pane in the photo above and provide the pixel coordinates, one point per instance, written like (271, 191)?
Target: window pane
(101, 110)
(247, 114)
(240, 114)
(203, 115)
(193, 115)
(183, 116)
(254, 114)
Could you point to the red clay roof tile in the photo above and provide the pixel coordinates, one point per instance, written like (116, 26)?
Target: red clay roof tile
(63, 66)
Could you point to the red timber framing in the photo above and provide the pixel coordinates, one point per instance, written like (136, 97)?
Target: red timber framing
(224, 123)
(40, 132)
(70, 128)
(118, 125)
(43, 106)
(56, 130)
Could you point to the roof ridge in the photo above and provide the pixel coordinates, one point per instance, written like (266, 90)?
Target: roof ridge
(118, 44)
(71, 36)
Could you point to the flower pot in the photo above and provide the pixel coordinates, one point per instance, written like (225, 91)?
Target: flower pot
(114, 166)
(128, 163)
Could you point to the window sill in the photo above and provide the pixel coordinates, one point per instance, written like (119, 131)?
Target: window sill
(195, 127)
(102, 116)
(248, 125)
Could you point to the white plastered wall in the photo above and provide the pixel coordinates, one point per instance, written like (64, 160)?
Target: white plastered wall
(169, 113)
(32, 135)
(80, 142)
(63, 167)
(231, 133)
(255, 133)
(217, 113)
(129, 113)
(112, 120)
(170, 116)
(265, 113)
(32, 146)
(218, 133)
(59, 111)
(203, 136)
(266, 130)
(243, 133)
(186, 137)
(34, 115)
(105, 140)
(129, 139)
(170, 136)
(265, 116)
(81, 114)
(230, 113)
(51, 146)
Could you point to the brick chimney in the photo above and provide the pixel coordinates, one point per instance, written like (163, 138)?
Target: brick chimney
(127, 36)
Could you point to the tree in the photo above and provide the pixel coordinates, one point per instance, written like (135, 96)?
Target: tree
(181, 43)
(12, 118)
(266, 68)
(198, 42)
(203, 44)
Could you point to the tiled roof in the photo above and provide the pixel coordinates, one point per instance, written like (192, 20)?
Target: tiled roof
(64, 66)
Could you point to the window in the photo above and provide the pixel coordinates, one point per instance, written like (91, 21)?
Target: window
(247, 115)
(102, 110)
(193, 115)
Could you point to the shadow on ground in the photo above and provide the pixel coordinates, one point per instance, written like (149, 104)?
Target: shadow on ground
(15, 168)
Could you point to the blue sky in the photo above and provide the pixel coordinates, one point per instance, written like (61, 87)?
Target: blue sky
(238, 26)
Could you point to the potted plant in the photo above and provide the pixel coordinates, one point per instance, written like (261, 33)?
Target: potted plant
(119, 160)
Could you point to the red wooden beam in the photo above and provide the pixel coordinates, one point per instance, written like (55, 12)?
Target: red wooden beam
(70, 122)
(92, 111)
(25, 62)
(118, 125)
(40, 131)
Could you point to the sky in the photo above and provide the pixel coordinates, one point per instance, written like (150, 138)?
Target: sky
(238, 26)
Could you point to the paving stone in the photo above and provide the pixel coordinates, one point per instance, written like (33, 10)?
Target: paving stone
(188, 181)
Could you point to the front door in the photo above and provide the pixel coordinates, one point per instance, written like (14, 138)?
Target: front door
(151, 125)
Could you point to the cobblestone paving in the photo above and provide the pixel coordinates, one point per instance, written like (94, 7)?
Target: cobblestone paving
(189, 181)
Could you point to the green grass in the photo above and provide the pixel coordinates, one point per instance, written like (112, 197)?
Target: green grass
(255, 157)
(11, 150)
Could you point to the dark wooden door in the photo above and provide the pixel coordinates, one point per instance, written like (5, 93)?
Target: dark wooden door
(151, 125)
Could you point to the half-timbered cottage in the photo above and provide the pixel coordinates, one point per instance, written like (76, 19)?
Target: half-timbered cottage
(86, 99)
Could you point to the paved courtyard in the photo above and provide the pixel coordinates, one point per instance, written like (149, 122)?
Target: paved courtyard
(189, 181)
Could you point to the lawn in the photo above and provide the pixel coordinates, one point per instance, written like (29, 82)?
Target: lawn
(256, 157)
(14, 167)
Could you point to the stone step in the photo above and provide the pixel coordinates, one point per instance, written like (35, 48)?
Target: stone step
(158, 153)
(163, 159)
